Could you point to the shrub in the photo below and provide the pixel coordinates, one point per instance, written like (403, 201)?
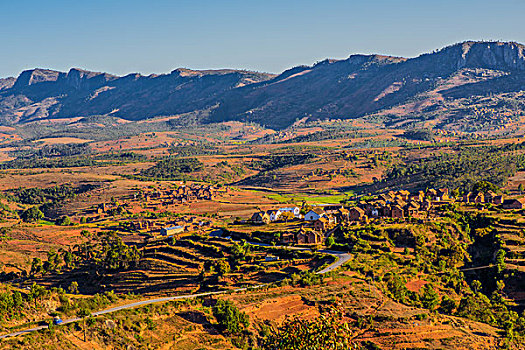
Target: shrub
(229, 317)
(32, 214)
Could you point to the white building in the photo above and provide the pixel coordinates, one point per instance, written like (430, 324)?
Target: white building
(274, 214)
(294, 210)
(314, 214)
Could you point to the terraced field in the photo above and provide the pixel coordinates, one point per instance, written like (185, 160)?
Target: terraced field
(512, 237)
(189, 265)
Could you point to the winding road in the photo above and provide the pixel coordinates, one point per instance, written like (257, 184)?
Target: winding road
(341, 259)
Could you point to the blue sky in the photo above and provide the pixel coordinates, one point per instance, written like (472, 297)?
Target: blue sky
(157, 36)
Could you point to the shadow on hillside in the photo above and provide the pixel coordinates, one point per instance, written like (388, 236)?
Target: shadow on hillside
(199, 318)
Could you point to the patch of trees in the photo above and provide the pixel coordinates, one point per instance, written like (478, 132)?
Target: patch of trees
(32, 214)
(275, 161)
(10, 304)
(122, 156)
(379, 143)
(328, 135)
(63, 162)
(104, 253)
(193, 150)
(173, 168)
(18, 305)
(109, 253)
(485, 186)
(61, 150)
(328, 331)
(460, 169)
(53, 194)
(419, 135)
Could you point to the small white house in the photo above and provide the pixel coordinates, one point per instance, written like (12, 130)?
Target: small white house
(274, 214)
(294, 210)
(314, 214)
(170, 231)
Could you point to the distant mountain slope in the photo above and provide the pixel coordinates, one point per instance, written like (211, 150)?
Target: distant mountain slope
(362, 85)
(438, 86)
(40, 94)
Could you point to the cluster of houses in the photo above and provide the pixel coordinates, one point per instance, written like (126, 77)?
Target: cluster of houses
(265, 217)
(183, 224)
(195, 192)
(394, 204)
(399, 204)
(483, 197)
(182, 194)
(492, 197)
(321, 218)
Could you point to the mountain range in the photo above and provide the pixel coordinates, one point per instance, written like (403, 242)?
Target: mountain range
(434, 86)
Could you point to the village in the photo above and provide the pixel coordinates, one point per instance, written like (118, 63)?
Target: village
(319, 221)
(159, 200)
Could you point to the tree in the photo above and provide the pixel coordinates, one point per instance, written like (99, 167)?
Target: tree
(476, 286)
(484, 186)
(327, 331)
(222, 267)
(83, 313)
(73, 287)
(429, 298)
(69, 258)
(397, 286)
(63, 221)
(32, 214)
(330, 241)
(500, 260)
(36, 266)
(229, 317)
(53, 260)
(448, 305)
(36, 293)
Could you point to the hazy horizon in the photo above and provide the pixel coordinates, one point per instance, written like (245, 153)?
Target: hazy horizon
(123, 37)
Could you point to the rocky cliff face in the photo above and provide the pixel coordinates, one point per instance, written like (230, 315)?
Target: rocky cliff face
(6, 83)
(354, 87)
(35, 76)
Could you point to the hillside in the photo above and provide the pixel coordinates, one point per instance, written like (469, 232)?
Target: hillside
(46, 94)
(469, 86)
(362, 85)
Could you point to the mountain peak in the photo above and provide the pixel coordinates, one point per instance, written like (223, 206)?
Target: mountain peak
(487, 54)
(35, 76)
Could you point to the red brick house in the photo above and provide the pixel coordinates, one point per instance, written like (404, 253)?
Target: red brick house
(518, 203)
(309, 237)
(321, 224)
(397, 212)
(356, 214)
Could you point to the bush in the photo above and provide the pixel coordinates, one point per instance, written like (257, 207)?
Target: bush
(229, 317)
(63, 221)
(327, 331)
(32, 214)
